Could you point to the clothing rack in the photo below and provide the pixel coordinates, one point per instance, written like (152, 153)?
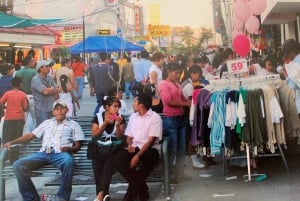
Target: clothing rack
(248, 83)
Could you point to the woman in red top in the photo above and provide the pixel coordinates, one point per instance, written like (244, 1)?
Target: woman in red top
(174, 124)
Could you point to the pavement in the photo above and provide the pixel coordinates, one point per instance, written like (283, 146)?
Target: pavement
(207, 184)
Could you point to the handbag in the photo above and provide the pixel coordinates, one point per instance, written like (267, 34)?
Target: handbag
(99, 148)
(145, 86)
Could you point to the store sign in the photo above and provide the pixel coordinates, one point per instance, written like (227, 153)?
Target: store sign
(237, 66)
(103, 32)
(159, 30)
(67, 33)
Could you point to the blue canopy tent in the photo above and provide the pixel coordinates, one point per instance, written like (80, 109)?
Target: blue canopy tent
(104, 44)
(11, 21)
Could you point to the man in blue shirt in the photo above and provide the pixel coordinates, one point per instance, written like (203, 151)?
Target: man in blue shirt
(141, 68)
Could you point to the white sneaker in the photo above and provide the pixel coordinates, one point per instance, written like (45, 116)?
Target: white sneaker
(196, 162)
(106, 198)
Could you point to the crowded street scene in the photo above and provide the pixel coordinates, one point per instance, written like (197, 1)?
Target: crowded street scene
(149, 100)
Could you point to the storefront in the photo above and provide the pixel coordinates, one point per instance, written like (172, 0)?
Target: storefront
(284, 14)
(16, 43)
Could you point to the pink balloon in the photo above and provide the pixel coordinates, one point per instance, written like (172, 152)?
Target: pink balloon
(241, 10)
(241, 45)
(252, 24)
(256, 7)
(237, 24)
(235, 33)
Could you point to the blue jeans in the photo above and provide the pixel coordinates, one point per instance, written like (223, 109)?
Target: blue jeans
(63, 161)
(80, 84)
(128, 91)
(41, 115)
(175, 129)
(99, 97)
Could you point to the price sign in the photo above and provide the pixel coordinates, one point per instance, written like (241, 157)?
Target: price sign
(237, 66)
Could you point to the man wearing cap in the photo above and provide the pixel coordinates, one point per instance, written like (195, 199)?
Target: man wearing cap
(61, 137)
(44, 91)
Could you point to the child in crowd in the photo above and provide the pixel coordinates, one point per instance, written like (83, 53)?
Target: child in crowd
(16, 104)
(67, 95)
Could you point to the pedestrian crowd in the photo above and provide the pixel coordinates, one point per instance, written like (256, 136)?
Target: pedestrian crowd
(37, 100)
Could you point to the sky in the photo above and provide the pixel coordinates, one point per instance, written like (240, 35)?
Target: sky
(195, 13)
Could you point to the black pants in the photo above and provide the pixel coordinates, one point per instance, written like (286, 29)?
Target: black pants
(136, 176)
(12, 129)
(103, 171)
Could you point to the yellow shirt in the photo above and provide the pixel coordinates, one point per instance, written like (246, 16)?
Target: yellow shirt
(56, 66)
(121, 63)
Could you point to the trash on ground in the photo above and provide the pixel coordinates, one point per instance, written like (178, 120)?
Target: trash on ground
(261, 178)
(223, 195)
(205, 175)
(231, 178)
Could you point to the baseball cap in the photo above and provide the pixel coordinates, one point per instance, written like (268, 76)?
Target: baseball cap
(41, 63)
(59, 102)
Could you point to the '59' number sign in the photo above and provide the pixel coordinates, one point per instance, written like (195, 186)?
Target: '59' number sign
(237, 66)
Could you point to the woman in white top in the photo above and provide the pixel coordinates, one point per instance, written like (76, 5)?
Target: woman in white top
(107, 124)
(155, 71)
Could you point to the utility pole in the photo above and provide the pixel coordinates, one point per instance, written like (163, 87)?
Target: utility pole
(83, 38)
(219, 21)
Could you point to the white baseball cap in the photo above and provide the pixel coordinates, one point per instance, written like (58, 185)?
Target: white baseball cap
(42, 63)
(60, 102)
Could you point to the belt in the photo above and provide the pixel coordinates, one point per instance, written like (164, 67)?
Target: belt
(176, 117)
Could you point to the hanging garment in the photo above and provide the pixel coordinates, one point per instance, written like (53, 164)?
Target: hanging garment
(200, 131)
(217, 121)
(254, 131)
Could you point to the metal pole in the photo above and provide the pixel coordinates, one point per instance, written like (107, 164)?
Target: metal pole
(83, 37)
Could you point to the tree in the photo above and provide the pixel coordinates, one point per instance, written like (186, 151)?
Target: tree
(205, 35)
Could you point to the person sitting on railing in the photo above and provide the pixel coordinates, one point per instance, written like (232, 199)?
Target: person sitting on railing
(137, 161)
(108, 126)
(61, 138)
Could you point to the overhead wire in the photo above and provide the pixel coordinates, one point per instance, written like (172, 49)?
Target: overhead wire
(76, 17)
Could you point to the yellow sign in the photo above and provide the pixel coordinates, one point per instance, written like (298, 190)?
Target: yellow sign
(159, 30)
(103, 32)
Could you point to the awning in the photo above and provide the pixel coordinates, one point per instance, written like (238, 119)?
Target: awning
(104, 44)
(280, 12)
(11, 21)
